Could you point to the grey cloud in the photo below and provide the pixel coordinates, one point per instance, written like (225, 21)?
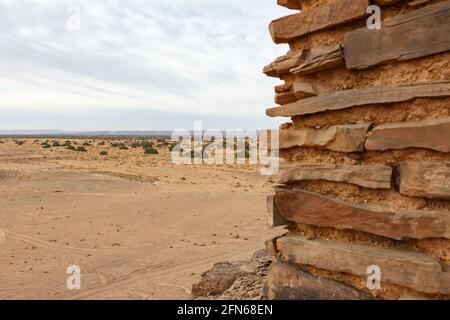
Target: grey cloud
(174, 55)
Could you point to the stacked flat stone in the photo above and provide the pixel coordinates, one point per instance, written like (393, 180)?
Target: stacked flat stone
(365, 177)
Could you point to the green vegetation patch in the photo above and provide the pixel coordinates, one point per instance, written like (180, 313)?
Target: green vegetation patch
(150, 150)
(19, 142)
(80, 149)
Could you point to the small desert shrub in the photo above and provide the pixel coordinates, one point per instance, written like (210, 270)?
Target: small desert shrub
(56, 144)
(86, 144)
(104, 153)
(121, 146)
(1, 141)
(135, 145)
(70, 147)
(80, 149)
(147, 144)
(101, 143)
(19, 142)
(46, 146)
(67, 143)
(150, 150)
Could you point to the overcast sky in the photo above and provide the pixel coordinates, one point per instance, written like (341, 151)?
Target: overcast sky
(136, 65)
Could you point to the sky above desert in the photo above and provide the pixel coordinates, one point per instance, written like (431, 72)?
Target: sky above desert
(136, 65)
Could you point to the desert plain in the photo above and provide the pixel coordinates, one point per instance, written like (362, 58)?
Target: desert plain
(137, 225)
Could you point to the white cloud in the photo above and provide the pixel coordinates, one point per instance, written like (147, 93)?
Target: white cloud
(198, 56)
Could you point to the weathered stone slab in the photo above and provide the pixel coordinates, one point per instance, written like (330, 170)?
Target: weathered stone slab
(412, 35)
(319, 59)
(283, 88)
(414, 270)
(273, 218)
(417, 2)
(346, 138)
(429, 134)
(315, 209)
(369, 176)
(285, 98)
(290, 4)
(335, 13)
(307, 87)
(411, 3)
(283, 64)
(306, 61)
(383, 3)
(358, 97)
(288, 282)
(425, 179)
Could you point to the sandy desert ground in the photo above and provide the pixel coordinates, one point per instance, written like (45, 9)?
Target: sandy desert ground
(138, 226)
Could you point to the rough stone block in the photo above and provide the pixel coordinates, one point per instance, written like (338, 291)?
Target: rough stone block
(346, 138)
(369, 176)
(428, 134)
(414, 270)
(425, 179)
(310, 208)
(419, 33)
(330, 15)
(339, 100)
(288, 282)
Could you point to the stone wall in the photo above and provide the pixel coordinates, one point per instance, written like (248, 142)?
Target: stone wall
(365, 181)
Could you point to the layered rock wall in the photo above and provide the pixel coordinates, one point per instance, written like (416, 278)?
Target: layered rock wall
(365, 183)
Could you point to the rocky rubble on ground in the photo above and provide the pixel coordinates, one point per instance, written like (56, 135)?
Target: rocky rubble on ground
(242, 280)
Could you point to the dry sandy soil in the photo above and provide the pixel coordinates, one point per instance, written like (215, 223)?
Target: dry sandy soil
(138, 226)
